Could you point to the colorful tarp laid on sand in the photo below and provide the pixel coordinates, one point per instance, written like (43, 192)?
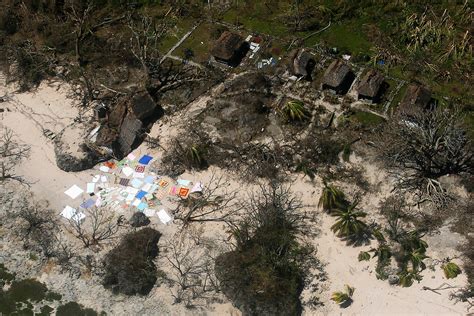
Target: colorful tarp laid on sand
(128, 185)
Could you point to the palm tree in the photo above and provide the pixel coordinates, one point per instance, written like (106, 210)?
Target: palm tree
(295, 111)
(348, 223)
(341, 297)
(382, 252)
(194, 153)
(306, 169)
(406, 277)
(412, 241)
(416, 258)
(331, 198)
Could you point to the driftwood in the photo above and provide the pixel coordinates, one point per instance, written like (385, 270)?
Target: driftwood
(442, 287)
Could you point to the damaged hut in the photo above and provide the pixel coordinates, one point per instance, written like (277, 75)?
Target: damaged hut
(302, 64)
(370, 86)
(230, 48)
(416, 97)
(126, 125)
(338, 77)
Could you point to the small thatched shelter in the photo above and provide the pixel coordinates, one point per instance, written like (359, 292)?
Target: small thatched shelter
(370, 85)
(416, 97)
(301, 63)
(338, 77)
(230, 48)
(142, 105)
(130, 133)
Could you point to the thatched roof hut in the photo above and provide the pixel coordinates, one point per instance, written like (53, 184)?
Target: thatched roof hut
(302, 63)
(416, 96)
(142, 105)
(130, 132)
(370, 85)
(338, 77)
(229, 48)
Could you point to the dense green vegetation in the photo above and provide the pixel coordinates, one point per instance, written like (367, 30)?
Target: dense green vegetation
(23, 295)
(265, 272)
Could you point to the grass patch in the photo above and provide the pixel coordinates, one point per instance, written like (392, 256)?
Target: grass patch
(258, 17)
(73, 308)
(200, 42)
(5, 276)
(398, 97)
(175, 33)
(53, 296)
(367, 119)
(28, 289)
(347, 36)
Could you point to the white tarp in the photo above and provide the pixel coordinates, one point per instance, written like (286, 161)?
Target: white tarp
(71, 213)
(147, 187)
(104, 168)
(197, 187)
(74, 191)
(149, 212)
(90, 187)
(140, 175)
(127, 171)
(184, 182)
(164, 217)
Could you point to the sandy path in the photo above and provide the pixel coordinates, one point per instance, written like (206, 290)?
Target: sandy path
(29, 113)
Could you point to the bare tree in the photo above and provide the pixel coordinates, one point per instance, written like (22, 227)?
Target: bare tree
(100, 224)
(215, 204)
(12, 153)
(272, 205)
(31, 221)
(146, 35)
(190, 257)
(86, 22)
(422, 146)
(145, 38)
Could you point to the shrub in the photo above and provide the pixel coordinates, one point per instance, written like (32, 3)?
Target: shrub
(331, 198)
(343, 297)
(364, 256)
(129, 267)
(295, 111)
(10, 22)
(451, 270)
(264, 275)
(406, 277)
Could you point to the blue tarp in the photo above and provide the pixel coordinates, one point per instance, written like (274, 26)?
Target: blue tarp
(145, 159)
(140, 194)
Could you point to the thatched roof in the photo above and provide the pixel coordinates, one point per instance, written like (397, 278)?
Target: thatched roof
(416, 95)
(129, 133)
(336, 73)
(370, 83)
(117, 114)
(227, 44)
(299, 64)
(142, 105)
